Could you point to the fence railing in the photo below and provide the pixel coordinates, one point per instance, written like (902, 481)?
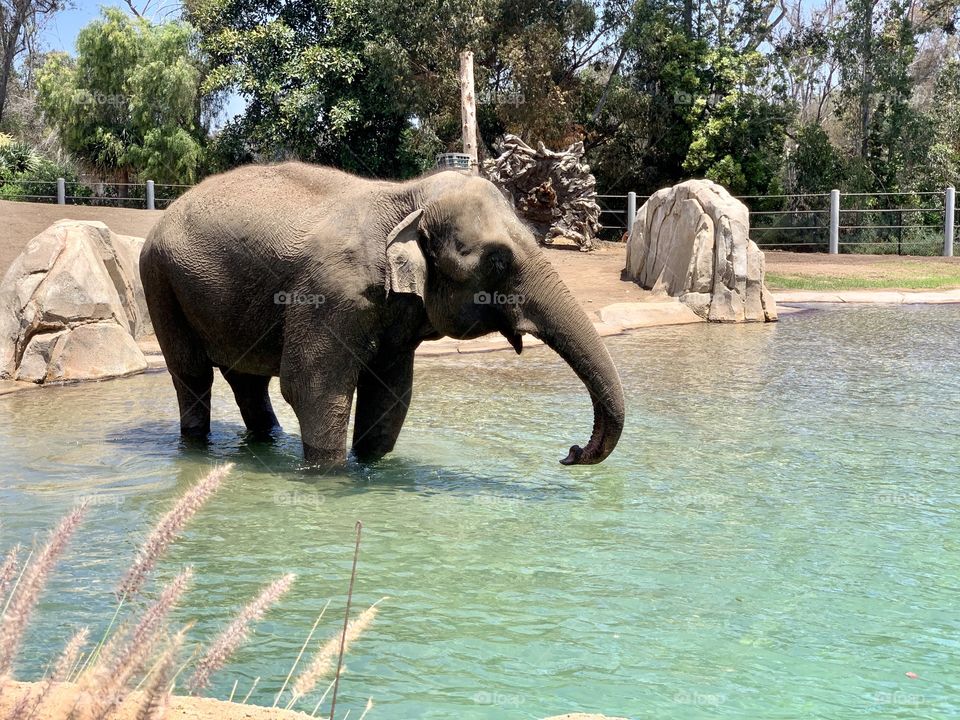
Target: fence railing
(905, 223)
(147, 195)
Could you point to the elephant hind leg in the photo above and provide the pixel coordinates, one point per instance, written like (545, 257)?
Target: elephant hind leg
(252, 395)
(186, 360)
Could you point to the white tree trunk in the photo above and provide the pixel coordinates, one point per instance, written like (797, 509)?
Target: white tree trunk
(468, 107)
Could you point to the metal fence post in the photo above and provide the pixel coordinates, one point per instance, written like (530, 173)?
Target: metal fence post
(949, 203)
(150, 203)
(631, 211)
(61, 191)
(834, 222)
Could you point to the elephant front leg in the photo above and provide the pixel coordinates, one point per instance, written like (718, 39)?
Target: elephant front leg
(321, 394)
(383, 397)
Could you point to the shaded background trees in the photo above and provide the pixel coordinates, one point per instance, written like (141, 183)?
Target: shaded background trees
(763, 96)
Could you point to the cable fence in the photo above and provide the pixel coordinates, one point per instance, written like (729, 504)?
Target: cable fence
(901, 223)
(146, 195)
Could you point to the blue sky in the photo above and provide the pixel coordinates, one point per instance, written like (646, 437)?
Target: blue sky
(61, 31)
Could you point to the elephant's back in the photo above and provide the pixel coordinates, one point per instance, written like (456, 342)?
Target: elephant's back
(229, 247)
(262, 209)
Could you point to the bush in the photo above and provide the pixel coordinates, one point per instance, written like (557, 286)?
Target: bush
(16, 158)
(38, 183)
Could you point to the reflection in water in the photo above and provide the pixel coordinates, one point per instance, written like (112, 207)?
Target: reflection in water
(775, 536)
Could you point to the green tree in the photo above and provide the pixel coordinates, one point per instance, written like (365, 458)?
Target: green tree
(305, 72)
(738, 138)
(373, 87)
(695, 95)
(639, 138)
(886, 130)
(127, 104)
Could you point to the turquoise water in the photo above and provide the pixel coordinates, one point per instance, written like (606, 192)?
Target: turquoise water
(775, 537)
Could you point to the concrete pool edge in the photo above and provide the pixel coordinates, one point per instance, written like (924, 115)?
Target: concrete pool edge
(870, 297)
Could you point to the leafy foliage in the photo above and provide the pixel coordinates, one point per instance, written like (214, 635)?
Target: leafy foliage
(764, 97)
(128, 103)
(38, 183)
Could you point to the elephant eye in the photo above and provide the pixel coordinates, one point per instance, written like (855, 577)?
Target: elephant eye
(461, 248)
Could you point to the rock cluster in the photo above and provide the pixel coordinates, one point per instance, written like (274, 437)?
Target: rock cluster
(553, 191)
(72, 306)
(692, 241)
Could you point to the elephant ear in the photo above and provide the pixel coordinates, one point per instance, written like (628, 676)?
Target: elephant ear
(406, 265)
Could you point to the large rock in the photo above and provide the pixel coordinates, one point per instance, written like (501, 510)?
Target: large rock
(692, 241)
(72, 306)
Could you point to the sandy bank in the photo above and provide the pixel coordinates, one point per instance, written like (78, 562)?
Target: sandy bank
(63, 697)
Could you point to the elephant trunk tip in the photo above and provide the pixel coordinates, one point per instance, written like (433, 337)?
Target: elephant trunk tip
(573, 457)
(608, 425)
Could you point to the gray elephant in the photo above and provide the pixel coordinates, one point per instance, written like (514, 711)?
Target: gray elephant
(331, 281)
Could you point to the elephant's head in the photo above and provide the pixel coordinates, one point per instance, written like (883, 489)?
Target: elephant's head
(478, 270)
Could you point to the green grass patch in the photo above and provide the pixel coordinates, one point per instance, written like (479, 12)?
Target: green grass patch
(939, 281)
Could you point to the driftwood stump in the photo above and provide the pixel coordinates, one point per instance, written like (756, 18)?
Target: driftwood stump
(553, 191)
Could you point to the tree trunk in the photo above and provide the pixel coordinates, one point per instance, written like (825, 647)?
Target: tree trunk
(866, 91)
(9, 52)
(606, 89)
(123, 189)
(468, 108)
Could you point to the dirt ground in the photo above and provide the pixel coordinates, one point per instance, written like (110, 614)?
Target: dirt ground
(589, 274)
(21, 221)
(593, 277)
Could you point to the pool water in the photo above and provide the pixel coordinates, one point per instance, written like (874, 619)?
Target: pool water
(776, 536)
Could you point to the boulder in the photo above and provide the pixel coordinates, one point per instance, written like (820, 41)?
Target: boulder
(72, 306)
(692, 241)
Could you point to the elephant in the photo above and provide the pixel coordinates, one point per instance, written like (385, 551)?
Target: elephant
(331, 281)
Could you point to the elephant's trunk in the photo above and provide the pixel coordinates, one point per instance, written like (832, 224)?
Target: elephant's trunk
(551, 313)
